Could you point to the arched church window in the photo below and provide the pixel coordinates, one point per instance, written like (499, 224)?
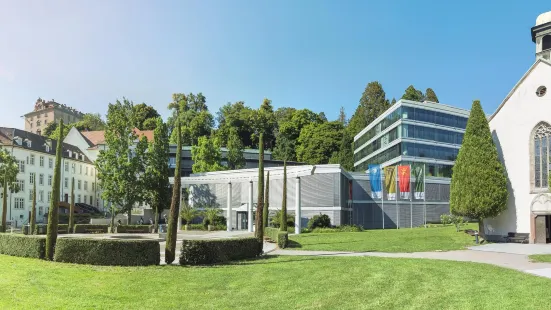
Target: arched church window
(542, 139)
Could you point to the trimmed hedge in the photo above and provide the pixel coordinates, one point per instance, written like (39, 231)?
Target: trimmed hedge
(108, 252)
(23, 246)
(91, 229)
(206, 252)
(61, 229)
(138, 229)
(279, 237)
(202, 227)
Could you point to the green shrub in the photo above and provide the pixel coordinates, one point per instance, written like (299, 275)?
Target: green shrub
(219, 220)
(140, 229)
(203, 227)
(445, 219)
(280, 237)
(90, 229)
(108, 252)
(206, 252)
(457, 220)
(275, 220)
(344, 228)
(23, 246)
(321, 221)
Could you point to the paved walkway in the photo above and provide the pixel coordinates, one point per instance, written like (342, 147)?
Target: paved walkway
(515, 261)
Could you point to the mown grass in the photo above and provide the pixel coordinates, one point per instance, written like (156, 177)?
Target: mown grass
(272, 283)
(440, 238)
(541, 258)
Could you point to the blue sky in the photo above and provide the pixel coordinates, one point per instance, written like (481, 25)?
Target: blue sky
(305, 54)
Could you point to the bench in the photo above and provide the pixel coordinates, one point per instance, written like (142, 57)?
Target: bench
(516, 237)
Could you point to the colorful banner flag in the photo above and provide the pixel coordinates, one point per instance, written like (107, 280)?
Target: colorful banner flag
(419, 188)
(375, 181)
(404, 178)
(390, 182)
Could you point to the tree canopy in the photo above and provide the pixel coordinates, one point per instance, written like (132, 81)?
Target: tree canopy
(145, 116)
(317, 142)
(372, 104)
(206, 155)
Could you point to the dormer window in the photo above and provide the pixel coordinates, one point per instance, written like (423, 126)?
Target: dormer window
(47, 148)
(70, 154)
(28, 142)
(18, 140)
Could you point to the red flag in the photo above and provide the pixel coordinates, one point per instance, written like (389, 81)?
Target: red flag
(404, 177)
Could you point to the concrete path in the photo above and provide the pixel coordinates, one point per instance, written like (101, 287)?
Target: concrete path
(519, 262)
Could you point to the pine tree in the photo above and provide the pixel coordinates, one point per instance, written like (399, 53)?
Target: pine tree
(342, 116)
(413, 94)
(266, 210)
(51, 234)
(72, 206)
(430, 95)
(259, 232)
(372, 104)
(479, 185)
(283, 220)
(32, 220)
(170, 250)
(393, 101)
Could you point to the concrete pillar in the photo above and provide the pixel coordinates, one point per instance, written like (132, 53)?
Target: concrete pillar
(228, 215)
(250, 213)
(297, 206)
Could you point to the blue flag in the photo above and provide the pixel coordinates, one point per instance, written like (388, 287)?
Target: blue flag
(375, 180)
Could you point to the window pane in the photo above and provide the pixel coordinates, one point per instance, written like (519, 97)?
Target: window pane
(537, 169)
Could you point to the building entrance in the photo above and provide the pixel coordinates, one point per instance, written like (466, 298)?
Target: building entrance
(242, 220)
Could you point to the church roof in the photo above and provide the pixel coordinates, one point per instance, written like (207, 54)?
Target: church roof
(540, 60)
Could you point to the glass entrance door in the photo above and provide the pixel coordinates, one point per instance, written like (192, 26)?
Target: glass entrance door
(242, 220)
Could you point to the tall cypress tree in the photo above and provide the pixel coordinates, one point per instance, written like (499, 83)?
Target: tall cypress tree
(413, 94)
(283, 220)
(51, 234)
(170, 250)
(72, 206)
(266, 200)
(259, 233)
(479, 185)
(32, 220)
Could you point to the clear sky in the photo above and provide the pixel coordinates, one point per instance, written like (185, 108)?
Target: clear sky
(304, 54)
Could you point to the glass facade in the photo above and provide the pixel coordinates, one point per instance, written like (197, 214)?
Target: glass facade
(451, 133)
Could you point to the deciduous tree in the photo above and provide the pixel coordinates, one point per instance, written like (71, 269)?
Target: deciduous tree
(479, 184)
(157, 171)
(121, 165)
(8, 177)
(145, 116)
(317, 142)
(236, 160)
(206, 155)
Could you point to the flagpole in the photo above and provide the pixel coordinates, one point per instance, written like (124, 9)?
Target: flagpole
(425, 191)
(382, 194)
(410, 201)
(396, 190)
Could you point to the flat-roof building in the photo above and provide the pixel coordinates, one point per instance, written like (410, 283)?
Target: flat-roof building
(413, 132)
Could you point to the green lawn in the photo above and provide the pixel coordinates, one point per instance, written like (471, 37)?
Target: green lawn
(541, 258)
(272, 283)
(388, 240)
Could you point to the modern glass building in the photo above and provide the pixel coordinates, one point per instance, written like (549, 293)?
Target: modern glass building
(412, 132)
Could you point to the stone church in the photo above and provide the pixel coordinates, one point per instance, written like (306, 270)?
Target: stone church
(521, 127)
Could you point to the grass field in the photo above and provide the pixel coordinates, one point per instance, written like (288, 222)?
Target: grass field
(272, 283)
(443, 238)
(541, 258)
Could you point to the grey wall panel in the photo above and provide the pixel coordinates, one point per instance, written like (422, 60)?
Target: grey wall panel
(434, 212)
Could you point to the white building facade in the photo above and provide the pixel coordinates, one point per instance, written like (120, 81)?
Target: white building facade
(521, 128)
(36, 159)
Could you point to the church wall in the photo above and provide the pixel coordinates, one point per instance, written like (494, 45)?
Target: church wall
(511, 128)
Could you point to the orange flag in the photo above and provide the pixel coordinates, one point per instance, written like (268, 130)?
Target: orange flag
(404, 178)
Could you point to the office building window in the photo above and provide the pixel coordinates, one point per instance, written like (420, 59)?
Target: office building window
(73, 168)
(32, 176)
(66, 166)
(85, 185)
(49, 196)
(32, 159)
(66, 182)
(86, 171)
(21, 185)
(41, 179)
(41, 196)
(19, 203)
(41, 161)
(78, 198)
(50, 180)
(22, 166)
(30, 194)
(79, 184)
(50, 163)
(40, 211)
